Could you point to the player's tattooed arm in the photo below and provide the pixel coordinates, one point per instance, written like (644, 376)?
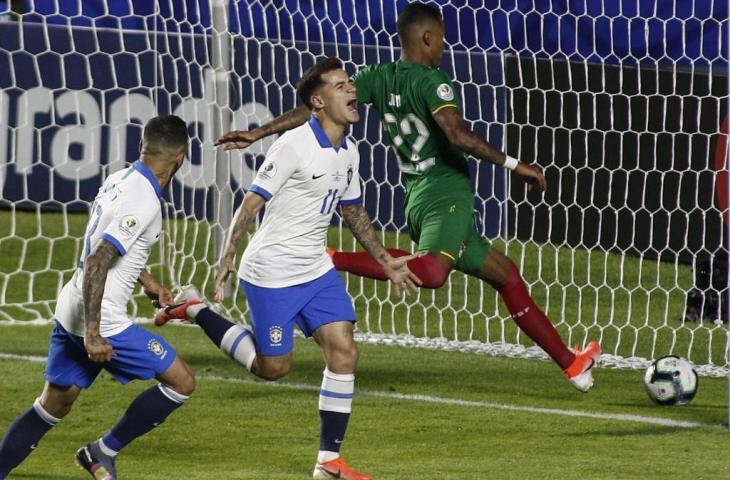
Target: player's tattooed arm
(461, 136)
(155, 291)
(284, 122)
(245, 215)
(358, 221)
(96, 268)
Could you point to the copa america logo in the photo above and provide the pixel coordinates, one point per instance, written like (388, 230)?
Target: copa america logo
(275, 335)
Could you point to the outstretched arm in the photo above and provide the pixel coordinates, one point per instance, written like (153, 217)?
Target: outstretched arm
(246, 213)
(286, 121)
(359, 223)
(453, 125)
(96, 268)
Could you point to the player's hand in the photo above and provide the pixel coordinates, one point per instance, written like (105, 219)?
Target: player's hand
(237, 139)
(98, 348)
(533, 176)
(404, 281)
(219, 287)
(159, 294)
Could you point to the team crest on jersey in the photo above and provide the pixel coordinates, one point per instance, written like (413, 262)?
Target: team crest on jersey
(128, 225)
(156, 347)
(268, 170)
(445, 92)
(275, 335)
(349, 174)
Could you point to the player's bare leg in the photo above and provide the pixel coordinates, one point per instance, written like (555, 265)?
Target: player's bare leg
(502, 274)
(335, 399)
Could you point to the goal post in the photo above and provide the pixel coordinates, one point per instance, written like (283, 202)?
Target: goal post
(622, 108)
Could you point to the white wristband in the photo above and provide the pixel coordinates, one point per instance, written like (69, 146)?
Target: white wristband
(510, 162)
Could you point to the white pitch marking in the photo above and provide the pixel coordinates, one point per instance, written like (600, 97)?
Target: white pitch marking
(665, 422)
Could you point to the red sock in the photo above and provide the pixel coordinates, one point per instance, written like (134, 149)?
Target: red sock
(532, 320)
(427, 268)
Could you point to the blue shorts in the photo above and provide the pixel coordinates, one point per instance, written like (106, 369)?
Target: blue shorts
(138, 354)
(274, 311)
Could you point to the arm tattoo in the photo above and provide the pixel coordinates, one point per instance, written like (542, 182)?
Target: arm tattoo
(145, 278)
(96, 267)
(359, 223)
(286, 121)
(236, 233)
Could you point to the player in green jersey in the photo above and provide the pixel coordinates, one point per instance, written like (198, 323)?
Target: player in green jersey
(422, 116)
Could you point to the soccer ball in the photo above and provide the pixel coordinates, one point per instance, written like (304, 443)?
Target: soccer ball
(671, 380)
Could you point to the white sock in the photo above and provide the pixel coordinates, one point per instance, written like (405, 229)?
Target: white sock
(238, 344)
(193, 310)
(325, 456)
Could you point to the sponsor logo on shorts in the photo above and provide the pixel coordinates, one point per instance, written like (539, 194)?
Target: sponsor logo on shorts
(156, 347)
(275, 335)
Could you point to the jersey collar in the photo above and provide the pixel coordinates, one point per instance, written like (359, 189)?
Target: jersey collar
(322, 138)
(147, 173)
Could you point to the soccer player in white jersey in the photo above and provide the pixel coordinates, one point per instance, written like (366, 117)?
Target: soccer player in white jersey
(286, 274)
(93, 331)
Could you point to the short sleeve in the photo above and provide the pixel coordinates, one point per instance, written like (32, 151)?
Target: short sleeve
(281, 162)
(353, 194)
(131, 218)
(363, 84)
(438, 91)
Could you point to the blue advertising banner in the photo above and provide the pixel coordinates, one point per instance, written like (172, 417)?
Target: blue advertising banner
(73, 101)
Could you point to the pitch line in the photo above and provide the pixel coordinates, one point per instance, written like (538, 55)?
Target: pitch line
(665, 422)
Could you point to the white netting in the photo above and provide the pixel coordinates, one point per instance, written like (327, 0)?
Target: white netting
(626, 127)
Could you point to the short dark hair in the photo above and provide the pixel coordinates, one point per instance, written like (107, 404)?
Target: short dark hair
(312, 79)
(414, 14)
(166, 131)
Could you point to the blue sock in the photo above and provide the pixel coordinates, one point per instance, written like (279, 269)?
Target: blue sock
(213, 325)
(23, 435)
(147, 411)
(332, 433)
(335, 405)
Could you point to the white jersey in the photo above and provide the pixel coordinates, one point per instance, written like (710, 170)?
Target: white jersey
(127, 214)
(303, 178)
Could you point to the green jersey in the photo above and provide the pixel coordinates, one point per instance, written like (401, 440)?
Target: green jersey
(407, 96)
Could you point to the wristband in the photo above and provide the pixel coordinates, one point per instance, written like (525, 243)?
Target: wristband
(510, 162)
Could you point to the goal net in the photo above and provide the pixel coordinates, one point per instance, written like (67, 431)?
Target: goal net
(622, 105)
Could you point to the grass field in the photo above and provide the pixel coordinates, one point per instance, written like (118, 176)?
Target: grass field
(418, 413)
(237, 428)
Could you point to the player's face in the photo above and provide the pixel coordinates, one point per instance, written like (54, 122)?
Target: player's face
(339, 97)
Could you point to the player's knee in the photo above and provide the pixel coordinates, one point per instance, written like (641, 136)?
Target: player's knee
(430, 270)
(343, 358)
(57, 401)
(273, 370)
(187, 386)
(57, 408)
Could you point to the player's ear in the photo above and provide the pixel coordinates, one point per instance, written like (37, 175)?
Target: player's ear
(317, 102)
(427, 38)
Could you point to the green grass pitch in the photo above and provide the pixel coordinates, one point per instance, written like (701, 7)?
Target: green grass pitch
(417, 414)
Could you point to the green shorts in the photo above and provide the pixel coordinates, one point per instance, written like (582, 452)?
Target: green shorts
(446, 225)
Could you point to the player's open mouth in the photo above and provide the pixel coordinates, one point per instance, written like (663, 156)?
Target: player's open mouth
(352, 105)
